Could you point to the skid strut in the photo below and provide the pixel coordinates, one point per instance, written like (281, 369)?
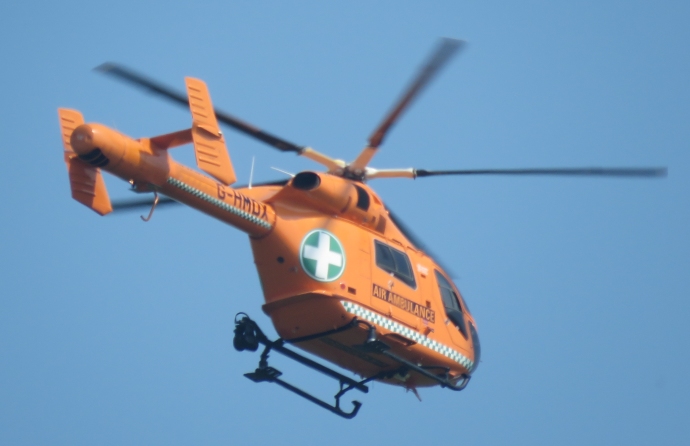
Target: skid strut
(248, 336)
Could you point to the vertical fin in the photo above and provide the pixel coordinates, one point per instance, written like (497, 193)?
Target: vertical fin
(209, 145)
(86, 182)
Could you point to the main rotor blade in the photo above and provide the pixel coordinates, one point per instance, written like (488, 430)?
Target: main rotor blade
(127, 75)
(445, 49)
(647, 172)
(639, 172)
(443, 52)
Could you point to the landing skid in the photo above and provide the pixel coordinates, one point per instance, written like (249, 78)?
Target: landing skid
(248, 336)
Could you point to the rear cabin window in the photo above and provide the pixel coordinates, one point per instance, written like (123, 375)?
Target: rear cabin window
(451, 303)
(395, 262)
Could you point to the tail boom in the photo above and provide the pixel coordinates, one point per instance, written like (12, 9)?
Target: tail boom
(148, 167)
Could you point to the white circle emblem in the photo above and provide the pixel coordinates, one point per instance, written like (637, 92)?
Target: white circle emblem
(322, 256)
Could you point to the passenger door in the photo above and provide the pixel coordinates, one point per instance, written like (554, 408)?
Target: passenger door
(393, 283)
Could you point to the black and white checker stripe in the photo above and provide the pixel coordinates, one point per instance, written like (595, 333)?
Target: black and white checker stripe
(400, 329)
(221, 204)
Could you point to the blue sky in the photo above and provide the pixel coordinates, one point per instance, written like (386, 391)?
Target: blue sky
(113, 331)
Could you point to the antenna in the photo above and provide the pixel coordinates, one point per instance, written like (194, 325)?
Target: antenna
(291, 175)
(251, 173)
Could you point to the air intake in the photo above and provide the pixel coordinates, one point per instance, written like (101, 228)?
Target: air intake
(306, 181)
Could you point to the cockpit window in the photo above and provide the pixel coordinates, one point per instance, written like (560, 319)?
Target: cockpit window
(451, 303)
(449, 287)
(395, 262)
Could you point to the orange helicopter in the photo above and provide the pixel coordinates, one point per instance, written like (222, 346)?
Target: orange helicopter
(342, 277)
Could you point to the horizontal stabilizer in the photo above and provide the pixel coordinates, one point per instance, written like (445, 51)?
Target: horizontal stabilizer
(170, 140)
(86, 181)
(209, 145)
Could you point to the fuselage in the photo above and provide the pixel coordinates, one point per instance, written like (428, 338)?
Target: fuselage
(326, 251)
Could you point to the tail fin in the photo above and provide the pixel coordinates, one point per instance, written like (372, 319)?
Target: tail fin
(209, 145)
(86, 181)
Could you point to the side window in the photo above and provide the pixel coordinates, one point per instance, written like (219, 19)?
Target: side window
(451, 303)
(395, 262)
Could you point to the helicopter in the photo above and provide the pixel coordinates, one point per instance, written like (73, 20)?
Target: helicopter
(343, 278)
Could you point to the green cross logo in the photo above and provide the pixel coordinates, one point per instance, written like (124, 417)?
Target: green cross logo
(322, 256)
